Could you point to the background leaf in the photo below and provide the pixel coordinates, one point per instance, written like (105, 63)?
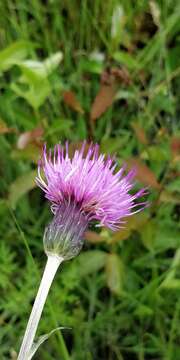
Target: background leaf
(114, 273)
(12, 54)
(21, 186)
(91, 261)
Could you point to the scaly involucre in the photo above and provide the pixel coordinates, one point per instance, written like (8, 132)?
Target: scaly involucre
(91, 182)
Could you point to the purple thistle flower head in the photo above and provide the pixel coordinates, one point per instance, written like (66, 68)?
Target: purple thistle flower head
(82, 189)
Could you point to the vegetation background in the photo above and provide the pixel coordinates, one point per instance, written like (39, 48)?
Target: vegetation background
(105, 71)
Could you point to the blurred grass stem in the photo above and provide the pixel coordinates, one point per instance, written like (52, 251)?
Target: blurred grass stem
(50, 270)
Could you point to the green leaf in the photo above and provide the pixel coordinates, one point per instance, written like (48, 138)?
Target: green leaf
(171, 281)
(159, 153)
(169, 197)
(148, 235)
(174, 185)
(143, 311)
(117, 22)
(92, 66)
(173, 57)
(126, 59)
(162, 102)
(41, 68)
(21, 186)
(91, 261)
(125, 94)
(36, 94)
(13, 54)
(147, 54)
(111, 145)
(35, 79)
(167, 237)
(30, 153)
(40, 341)
(7, 265)
(114, 273)
(159, 236)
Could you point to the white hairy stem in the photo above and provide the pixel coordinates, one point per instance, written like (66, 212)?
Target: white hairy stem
(51, 267)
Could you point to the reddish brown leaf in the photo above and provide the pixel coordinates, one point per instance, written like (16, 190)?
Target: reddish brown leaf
(175, 145)
(144, 174)
(162, 133)
(103, 100)
(77, 146)
(110, 79)
(93, 237)
(4, 129)
(121, 75)
(71, 100)
(30, 137)
(140, 133)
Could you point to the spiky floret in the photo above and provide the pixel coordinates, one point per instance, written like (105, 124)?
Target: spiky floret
(91, 182)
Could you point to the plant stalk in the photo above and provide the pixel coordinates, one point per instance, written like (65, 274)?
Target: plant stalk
(51, 267)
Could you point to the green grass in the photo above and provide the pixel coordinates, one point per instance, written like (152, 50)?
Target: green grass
(120, 299)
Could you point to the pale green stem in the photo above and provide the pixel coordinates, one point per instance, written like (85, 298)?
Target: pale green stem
(51, 267)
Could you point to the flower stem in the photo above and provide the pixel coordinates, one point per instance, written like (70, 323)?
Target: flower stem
(51, 267)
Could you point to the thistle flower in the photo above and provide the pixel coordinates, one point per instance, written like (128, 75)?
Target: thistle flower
(83, 189)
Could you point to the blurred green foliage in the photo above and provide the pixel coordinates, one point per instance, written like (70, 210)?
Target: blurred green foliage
(107, 72)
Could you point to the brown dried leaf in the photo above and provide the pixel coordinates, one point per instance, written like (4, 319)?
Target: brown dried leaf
(71, 100)
(110, 79)
(140, 133)
(93, 237)
(77, 146)
(115, 74)
(4, 129)
(30, 137)
(122, 75)
(103, 100)
(175, 145)
(144, 174)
